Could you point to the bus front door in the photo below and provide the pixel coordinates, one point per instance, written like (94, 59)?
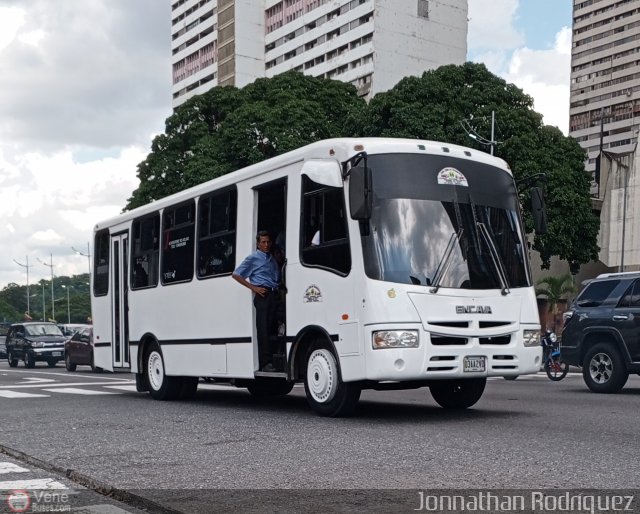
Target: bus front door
(120, 305)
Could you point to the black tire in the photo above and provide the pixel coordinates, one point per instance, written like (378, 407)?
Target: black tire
(458, 394)
(68, 364)
(13, 361)
(604, 370)
(326, 393)
(269, 387)
(52, 363)
(188, 388)
(556, 369)
(161, 387)
(29, 360)
(511, 377)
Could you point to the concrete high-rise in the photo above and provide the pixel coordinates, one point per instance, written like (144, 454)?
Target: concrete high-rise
(370, 43)
(605, 76)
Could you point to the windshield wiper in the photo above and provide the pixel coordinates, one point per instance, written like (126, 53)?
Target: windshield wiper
(445, 262)
(495, 257)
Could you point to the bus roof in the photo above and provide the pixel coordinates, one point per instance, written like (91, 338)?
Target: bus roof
(340, 149)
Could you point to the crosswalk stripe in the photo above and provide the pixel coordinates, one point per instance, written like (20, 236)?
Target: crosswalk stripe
(75, 390)
(123, 387)
(39, 483)
(63, 384)
(17, 394)
(10, 467)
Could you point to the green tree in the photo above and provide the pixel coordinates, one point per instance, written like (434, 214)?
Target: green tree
(13, 299)
(226, 129)
(446, 103)
(555, 290)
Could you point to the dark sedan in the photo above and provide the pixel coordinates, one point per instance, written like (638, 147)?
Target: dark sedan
(79, 349)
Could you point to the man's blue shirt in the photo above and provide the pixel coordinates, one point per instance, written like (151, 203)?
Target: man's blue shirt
(261, 269)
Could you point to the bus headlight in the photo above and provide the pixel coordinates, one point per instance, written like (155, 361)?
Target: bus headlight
(395, 339)
(531, 338)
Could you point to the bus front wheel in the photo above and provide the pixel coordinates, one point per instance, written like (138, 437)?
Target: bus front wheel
(326, 393)
(458, 394)
(161, 387)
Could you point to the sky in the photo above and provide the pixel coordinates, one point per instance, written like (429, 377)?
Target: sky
(85, 86)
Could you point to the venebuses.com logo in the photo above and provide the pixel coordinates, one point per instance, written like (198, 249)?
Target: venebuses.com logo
(18, 501)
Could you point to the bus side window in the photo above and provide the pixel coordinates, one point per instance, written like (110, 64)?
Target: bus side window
(176, 258)
(325, 241)
(145, 251)
(217, 233)
(101, 263)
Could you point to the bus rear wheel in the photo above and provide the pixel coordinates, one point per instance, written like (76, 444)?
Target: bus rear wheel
(161, 387)
(326, 393)
(458, 394)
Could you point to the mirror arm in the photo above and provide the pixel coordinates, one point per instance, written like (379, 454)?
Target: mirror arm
(354, 161)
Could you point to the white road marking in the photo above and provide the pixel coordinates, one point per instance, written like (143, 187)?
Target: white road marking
(10, 467)
(40, 483)
(38, 380)
(214, 387)
(18, 394)
(123, 387)
(63, 384)
(75, 390)
(52, 373)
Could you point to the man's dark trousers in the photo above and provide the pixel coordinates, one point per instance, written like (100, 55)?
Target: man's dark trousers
(268, 308)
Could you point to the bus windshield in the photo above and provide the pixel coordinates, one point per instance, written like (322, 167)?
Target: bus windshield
(444, 221)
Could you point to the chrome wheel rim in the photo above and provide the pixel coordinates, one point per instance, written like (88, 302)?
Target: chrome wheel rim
(600, 368)
(155, 370)
(322, 376)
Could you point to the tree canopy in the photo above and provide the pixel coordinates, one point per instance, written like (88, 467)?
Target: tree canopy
(227, 128)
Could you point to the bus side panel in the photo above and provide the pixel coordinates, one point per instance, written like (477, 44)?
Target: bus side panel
(102, 343)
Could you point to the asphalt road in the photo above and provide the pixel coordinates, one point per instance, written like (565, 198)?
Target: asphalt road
(227, 450)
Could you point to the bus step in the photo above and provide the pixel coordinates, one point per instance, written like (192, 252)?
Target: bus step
(270, 374)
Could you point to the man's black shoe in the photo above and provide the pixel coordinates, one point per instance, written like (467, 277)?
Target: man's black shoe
(269, 368)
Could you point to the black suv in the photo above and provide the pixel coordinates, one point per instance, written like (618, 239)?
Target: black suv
(34, 341)
(602, 331)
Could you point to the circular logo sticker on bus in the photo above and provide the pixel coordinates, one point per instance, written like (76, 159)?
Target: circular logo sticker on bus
(452, 177)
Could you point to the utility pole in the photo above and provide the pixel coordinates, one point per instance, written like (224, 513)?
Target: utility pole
(493, 142)
(26, 266)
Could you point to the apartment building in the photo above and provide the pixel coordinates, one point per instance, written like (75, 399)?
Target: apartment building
(369, 43)
(605, 76)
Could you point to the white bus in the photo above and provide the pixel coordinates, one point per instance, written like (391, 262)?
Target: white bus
(421, 277)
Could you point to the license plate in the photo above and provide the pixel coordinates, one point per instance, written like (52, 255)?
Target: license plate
(474, 364)
(57, 354)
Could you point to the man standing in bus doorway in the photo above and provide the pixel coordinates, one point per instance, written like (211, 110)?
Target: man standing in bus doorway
(260, 273)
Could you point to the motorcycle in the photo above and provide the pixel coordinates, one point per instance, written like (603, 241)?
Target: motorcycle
(553, 364)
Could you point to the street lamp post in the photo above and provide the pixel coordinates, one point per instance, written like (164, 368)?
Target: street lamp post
(51, 266)
(68, 304)
(44, 312)
(26, 266)
(87, 255)
(482, 140)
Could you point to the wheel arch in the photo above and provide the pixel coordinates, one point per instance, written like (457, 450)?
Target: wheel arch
(145, 342)
(302, 341)
(603, 335)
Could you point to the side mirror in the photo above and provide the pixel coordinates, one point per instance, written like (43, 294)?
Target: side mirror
(538, 210)
(360, 194)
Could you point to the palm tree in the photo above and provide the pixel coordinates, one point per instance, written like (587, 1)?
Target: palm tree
(555, 291)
